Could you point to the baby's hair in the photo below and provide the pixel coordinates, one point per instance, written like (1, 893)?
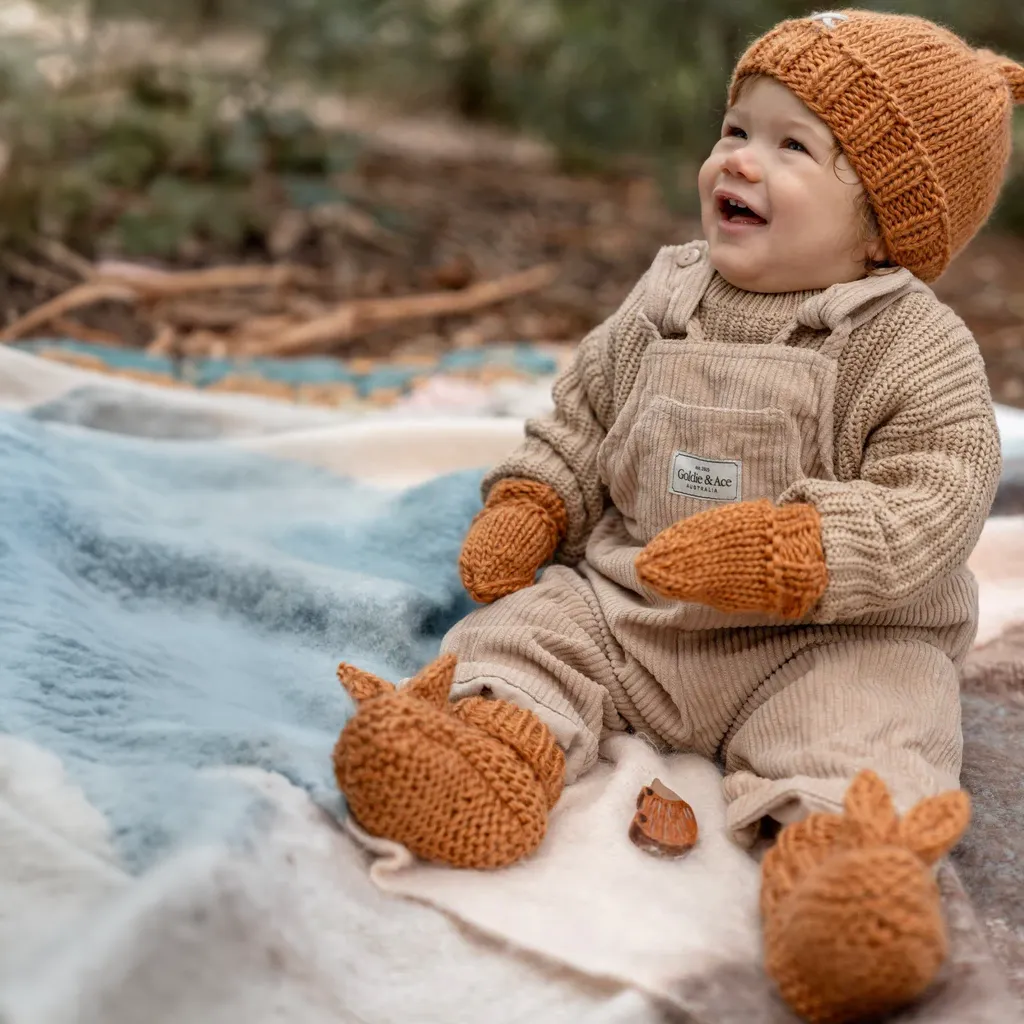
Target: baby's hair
(871, 232)
(869, 227)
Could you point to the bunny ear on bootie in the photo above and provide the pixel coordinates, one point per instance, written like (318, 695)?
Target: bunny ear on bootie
(362, 685)
(930, 829)
(432, 683)
(870, 814)
(935, 825)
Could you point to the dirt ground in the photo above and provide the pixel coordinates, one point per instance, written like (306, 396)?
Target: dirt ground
(431, 218)
(603, 234)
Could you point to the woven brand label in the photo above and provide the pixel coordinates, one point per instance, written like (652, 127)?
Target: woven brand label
(714, 479)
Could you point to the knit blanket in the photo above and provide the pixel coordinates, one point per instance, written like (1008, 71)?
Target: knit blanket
(508, 379)
(179, 575)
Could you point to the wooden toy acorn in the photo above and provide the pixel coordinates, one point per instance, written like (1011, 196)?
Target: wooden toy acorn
(664, 824)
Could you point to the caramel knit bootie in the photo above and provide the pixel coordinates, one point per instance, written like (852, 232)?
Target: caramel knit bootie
(853, 924)
(468, 784)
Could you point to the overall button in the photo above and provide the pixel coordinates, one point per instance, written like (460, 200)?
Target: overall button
(688, 256)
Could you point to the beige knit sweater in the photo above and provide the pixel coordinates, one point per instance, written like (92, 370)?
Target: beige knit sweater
(916, 448)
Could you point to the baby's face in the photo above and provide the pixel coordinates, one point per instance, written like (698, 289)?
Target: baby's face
(781, 212)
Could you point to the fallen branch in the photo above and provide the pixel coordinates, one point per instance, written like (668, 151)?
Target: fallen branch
(190, 314)
(265, 327)
(41, 277)
(165, 284)
(360, 316)
(66, 327)
(125, 283)
(75, 298)
(57, 252)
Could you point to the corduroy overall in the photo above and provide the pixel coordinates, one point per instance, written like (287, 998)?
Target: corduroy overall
(792, 711)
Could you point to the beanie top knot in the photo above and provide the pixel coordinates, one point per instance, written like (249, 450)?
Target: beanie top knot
(1012, 72)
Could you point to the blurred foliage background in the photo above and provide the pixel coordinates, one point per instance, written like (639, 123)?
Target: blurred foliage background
(140, 126)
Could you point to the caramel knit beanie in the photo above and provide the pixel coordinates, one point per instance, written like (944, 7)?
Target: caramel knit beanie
(924, 119)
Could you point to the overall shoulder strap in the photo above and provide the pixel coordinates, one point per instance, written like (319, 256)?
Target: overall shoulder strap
(678, 279)
(843, 308)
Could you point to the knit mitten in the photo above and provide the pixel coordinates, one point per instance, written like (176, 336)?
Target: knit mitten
(853, 923)
(467, 784)
(517, 532)
(747, 557)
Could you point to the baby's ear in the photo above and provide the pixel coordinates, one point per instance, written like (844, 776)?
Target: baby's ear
(877, 251)
(434, 682)
(869, 808)
(362, 685)
(934, 826)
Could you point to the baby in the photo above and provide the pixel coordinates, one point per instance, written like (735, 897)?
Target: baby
(752, 504)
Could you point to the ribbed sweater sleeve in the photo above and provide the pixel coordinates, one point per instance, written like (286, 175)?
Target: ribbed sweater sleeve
(923, 427)
(560, 449)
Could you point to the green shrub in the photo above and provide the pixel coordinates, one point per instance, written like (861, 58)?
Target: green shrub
(602, 80)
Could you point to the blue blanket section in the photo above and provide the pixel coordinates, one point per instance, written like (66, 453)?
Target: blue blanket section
(168, 607)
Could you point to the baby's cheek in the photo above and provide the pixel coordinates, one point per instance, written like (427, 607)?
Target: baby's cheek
(707, 176)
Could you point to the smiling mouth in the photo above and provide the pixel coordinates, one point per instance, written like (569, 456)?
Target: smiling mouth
(733, 211)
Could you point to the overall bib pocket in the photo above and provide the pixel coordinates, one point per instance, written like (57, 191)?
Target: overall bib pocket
(679, 459)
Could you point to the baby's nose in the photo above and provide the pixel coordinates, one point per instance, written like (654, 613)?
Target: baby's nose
(743, 163)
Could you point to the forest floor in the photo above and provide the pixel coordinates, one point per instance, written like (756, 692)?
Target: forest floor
(448, 237)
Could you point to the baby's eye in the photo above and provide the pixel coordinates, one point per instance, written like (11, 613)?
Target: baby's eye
(796, 147)
(732, 131)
